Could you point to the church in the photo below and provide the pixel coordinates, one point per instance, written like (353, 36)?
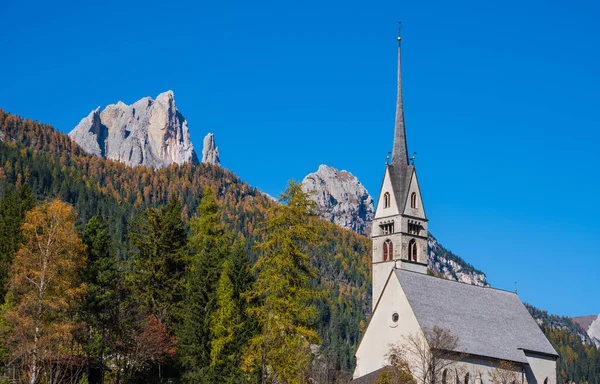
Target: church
(492, 327)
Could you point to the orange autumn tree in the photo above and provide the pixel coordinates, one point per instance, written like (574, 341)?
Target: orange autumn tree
(43, 289)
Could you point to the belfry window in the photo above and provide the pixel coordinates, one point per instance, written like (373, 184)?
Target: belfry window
(386, 200)
(412, 250)
(387, 228)
(445, 377)
(467, 377)
(414, 229)
(413, 200)
(388, 250)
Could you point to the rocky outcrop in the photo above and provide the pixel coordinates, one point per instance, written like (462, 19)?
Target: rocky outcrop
(451, 267)
(210, 151)
(591, 325)
(343, 200)
(148, 132)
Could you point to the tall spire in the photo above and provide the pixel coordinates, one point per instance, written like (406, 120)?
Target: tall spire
(400, 151)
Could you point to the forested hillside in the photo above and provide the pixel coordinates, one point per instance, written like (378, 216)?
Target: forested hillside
(579, 360)
(52, 166)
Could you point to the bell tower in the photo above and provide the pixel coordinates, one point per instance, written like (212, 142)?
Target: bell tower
(399, 230)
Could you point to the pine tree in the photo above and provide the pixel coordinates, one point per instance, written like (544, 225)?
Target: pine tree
(283, 293)
(158, 240)
(100, 309)
(209, 242)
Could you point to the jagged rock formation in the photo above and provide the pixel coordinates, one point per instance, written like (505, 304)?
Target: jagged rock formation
(210, 151)
(342, 198)
(591, 325)
(148, 132)
(451, 267)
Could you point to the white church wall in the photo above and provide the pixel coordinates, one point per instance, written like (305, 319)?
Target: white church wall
(380, 273)
(393, 208)
(419, 210)
(540, 368)
(382, 331)
(480, 371)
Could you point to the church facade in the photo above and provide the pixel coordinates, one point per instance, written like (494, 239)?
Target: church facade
(492, 326)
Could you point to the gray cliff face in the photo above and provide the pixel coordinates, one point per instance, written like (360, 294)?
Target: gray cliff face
(210, 151)
(591, 326)
(148, 132)
(452, 267)
(342, 198)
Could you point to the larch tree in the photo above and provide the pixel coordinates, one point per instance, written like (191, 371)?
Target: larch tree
(43, 291)
(230, 326)
(282, 296)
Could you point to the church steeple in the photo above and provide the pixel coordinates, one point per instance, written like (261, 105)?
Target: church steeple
(399, 229)
(400, 152)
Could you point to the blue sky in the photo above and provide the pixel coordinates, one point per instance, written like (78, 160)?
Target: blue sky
(501, 103)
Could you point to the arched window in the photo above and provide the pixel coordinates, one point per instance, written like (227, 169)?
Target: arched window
(388, 251)
(546, 380)
(413, 200)
(412, 250)
(467, 376)
(386, 200)
(445, 377)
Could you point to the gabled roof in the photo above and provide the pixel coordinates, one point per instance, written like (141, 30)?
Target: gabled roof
(400, 177)
(488, 322)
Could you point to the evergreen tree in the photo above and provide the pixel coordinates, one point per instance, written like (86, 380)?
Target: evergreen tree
(12, 212)
(100, 310)
(158, 255)
(283, 293)
(230, 326)
(209, 243)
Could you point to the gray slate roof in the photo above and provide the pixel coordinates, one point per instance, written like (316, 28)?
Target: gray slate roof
(400, 176)
(488, 322)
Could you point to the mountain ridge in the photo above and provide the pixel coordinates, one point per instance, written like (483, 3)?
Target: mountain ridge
(150, 132)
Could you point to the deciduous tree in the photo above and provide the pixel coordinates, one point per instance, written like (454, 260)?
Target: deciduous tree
(43, 290)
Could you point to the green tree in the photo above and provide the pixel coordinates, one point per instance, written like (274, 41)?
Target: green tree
(100, 309)
(282, 295)
(209, 242)
(158, 255)
(230, 326)
(12, 212)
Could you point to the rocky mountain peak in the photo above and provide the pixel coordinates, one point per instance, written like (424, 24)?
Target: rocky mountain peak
(148, 132)
(210, 151)
(344, 201)
(342, 198)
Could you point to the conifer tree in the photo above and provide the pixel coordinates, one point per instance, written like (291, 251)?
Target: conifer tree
(12, 212)
(100, 309)
(209, 243)
(283, 294)
(158, 240)
(230, 326)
